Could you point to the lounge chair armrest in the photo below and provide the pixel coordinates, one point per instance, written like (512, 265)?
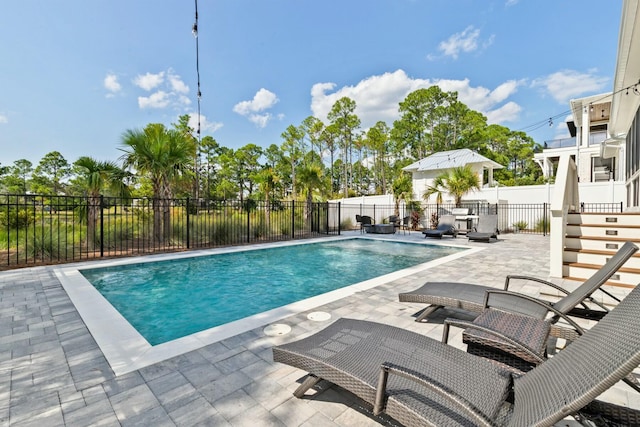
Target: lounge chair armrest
(544, 304)
(459, 401)
(534, 279)
(471, 325)
(448, 322)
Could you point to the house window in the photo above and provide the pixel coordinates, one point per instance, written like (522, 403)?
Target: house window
(602, 169)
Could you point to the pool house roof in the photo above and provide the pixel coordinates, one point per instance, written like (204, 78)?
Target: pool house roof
(451, 159)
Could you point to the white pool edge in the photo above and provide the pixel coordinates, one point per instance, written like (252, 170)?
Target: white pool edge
(127, 351)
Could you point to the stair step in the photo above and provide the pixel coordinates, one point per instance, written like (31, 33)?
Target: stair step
(596, 256)
(597, 243)
(593, 237)
(608, 283)
(622, 269)
(629, 232)
(620, 218)
(624, 275)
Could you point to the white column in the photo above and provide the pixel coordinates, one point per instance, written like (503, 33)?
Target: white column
(584, 142)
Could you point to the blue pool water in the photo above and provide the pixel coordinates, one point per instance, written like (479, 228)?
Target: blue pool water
(167, 300)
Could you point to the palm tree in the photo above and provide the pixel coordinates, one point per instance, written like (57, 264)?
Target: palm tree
(457, 182)
(402, 190)
(94, 176)
(162, 155)
(267, 179)
(310, 178)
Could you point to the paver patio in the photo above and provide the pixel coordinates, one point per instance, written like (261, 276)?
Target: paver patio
(54, 374)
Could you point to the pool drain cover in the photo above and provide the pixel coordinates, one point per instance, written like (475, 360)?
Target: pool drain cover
(277, 329)
(319, 316)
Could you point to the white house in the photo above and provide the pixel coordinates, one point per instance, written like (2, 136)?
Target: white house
(426, 170)
(624, 129)
(588, 129)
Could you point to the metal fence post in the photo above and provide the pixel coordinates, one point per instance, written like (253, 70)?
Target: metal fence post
(248, 222)
(101, 226)
(339, 214)
(188, 234)
(293, 219)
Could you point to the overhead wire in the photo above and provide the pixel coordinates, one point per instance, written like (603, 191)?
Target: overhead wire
(194, 31)
(550, 120)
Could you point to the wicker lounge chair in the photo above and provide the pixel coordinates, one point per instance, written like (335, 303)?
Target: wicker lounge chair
(446, 226)
(486, 229)
(420, 381)
(471, 297)
(513, 339)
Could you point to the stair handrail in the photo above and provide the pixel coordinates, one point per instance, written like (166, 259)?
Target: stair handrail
(565, 199)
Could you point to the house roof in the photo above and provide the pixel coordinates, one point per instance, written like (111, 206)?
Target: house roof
(451, 159)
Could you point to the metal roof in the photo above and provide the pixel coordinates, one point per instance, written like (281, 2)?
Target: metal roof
(451, 159)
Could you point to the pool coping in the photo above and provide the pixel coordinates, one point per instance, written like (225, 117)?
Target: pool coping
(126, 350)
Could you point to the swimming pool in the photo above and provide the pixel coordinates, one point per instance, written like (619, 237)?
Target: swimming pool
(167, 300)
(127, 350)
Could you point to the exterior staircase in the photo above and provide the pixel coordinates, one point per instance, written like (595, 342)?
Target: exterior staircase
(592, 238)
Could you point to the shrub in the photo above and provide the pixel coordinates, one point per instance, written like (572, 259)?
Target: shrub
(16, 218)
(346, 224)
(221, 232)
(543, 225)
(49, 243)
(520, 225)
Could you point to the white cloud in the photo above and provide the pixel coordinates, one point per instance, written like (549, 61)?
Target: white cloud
(466, 41)
(262, 100)
(564, 85)
(149, 81)
(111, 84)
(4, 119)
(184, 100)
(169, 90)
(205, 125)
(506, 113)
(159, 99)
(260, 120)
(377, 97)
(511, 2)
(177, 84)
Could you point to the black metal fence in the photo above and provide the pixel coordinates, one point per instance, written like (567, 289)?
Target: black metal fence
(37, 229)
(56, 229)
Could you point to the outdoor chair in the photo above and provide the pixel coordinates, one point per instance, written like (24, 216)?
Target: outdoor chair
(420, 381)
(395, 220)
(359, 222)
(365, 221)
(446, 226)
(406, 223)
(486, 229)
(471, 297)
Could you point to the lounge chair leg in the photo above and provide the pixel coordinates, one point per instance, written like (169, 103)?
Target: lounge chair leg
(309, 382)
(427, 311)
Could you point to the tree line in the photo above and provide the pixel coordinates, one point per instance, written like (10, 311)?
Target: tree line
(313, 160)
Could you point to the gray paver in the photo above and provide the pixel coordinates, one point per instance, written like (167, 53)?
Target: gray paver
(53, 373)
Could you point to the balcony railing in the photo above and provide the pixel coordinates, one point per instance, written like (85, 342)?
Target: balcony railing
(560, 143)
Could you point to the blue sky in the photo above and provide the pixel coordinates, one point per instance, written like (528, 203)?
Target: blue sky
(74, 75)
